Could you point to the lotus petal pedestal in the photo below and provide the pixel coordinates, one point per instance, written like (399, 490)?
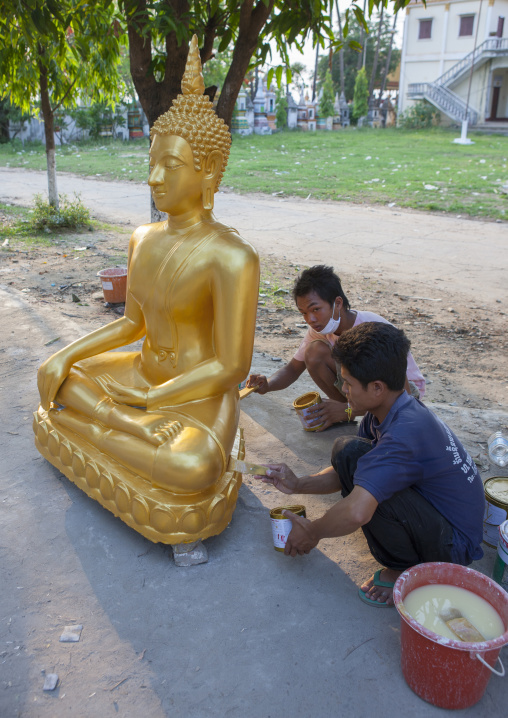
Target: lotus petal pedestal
(157, 514)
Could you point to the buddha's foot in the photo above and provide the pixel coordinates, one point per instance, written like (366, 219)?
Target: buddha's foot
(155, 429)
(190, 554)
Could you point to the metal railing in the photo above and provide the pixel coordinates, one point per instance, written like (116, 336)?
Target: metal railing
(445, 100)
(489, 48)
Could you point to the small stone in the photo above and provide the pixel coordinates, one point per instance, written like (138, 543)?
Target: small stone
(71, 634)
(50, 682)
(451, 309)
(75, 298)
(190, 554)
(276, 359)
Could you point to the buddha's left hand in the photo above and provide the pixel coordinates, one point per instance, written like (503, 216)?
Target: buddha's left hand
(133, 396)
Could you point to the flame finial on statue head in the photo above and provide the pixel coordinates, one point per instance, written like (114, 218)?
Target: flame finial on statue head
(192, 80)
(192, 117)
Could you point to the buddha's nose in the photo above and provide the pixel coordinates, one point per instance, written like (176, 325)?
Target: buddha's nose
(155, 177)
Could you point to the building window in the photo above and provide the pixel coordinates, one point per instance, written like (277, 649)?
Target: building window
(425, 30)
(466, 25)
(311, 114)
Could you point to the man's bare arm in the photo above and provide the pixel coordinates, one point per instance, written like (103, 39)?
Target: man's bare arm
(282, 378)
(282, 478)
(345, 517)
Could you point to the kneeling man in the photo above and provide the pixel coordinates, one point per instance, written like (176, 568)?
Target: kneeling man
(406, 480)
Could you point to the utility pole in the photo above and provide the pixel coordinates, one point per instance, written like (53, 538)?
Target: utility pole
(341, 52)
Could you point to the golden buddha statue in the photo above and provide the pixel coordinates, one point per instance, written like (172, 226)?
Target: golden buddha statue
(149, 433)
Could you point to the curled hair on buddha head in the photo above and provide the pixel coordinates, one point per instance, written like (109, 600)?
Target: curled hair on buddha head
(193, 118)
(374, 351)
(322, 280)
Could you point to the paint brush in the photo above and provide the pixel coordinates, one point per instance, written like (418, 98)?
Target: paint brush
(245, 468)
(247, 390)
(460, 626)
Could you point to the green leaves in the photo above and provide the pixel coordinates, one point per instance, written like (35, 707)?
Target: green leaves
(74, 40)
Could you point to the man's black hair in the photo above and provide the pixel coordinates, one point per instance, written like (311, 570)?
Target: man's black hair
(374, 351)
(322, 280)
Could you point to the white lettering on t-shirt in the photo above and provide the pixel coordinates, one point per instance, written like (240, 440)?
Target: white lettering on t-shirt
(467, 465)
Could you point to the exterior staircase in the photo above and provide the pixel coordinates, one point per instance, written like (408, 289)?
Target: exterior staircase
(439, 92)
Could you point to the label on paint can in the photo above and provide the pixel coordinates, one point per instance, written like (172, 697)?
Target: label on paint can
(502, 547)
(107, 285)
(281, 528)
(493, 516)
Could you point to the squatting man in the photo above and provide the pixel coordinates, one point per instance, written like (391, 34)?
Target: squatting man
(320, 299)
(406, 480)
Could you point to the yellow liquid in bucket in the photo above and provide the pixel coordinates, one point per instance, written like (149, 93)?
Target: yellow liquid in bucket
(425, 604)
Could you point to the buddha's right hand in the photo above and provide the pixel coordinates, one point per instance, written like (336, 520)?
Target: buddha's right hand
(260, 381)
(50, 377)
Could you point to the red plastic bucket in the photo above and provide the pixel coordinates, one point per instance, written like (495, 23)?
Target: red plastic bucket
(444, 672)
(114, 284)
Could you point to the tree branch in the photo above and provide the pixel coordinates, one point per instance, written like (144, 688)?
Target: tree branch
(55, 108)
(251, 24)
(140, 45)
(206, 51)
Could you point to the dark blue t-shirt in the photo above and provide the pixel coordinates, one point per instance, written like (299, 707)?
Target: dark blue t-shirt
(412, 447)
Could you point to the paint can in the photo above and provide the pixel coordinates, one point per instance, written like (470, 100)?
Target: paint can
(496, 508)
(302, 406)
(502, 553)
(281, 526)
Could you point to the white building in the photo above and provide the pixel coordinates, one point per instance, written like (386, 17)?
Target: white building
(442, 43)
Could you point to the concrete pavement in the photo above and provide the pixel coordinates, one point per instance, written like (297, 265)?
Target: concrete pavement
(252, 633)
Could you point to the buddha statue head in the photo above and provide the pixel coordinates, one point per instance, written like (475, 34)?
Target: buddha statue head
(190, 146)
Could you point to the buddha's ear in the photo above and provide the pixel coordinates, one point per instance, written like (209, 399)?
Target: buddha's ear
(212, 169)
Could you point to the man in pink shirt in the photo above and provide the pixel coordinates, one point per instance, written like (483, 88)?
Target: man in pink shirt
(320, 299)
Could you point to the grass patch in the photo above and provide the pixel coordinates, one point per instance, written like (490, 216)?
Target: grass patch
(110, 159)
(71, 214)
(418, 169)
(17, 225)
(377, 166)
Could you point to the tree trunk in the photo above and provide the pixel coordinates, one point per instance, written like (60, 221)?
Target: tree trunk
(388, 59)
(341, 53)
(376, 54)
(49, 132)
(156, 96)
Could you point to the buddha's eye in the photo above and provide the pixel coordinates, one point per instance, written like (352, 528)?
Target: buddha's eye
(173, 165)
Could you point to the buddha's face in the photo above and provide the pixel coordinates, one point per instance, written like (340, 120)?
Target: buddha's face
(176, 186)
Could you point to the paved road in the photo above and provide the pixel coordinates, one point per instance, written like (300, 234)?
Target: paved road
(467, 257)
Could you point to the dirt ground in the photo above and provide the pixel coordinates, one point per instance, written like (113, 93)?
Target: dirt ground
(460, 346)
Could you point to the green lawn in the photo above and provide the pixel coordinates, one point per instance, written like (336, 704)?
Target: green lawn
(420, 169)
